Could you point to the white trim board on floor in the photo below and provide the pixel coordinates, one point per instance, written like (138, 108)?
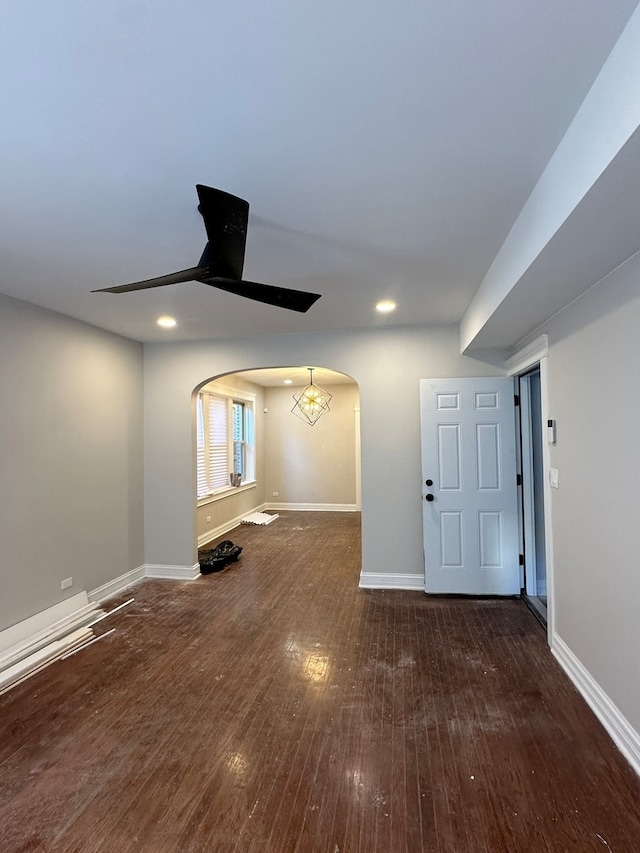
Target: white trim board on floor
(33, 643)
(35, 632)
(41, 639)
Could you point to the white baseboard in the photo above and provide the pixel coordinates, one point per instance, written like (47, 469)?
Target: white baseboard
(159, 572)
(620, 730)
(221, 529)
(172, 573)
(117, 585)
(376, 580)
(305, 507)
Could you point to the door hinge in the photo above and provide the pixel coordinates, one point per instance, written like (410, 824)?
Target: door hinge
(516, 399)
(518, 479)
(521, 559)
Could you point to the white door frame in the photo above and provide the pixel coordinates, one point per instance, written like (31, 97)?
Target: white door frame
(526, 465)
(537, 352)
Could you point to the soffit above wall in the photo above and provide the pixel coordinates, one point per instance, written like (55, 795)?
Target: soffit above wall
(274, 377)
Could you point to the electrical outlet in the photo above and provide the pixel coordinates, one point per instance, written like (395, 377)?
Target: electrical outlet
(208, 518)
(275, 494)
(66, 583)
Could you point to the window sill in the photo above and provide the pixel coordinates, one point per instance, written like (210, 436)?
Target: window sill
(225, 493)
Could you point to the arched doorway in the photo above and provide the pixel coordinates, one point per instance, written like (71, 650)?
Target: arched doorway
(290, 464)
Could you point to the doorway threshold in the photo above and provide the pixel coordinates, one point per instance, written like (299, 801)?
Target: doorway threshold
(537, 607)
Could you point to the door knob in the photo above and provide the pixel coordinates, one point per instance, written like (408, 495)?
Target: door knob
(428, 483)
(428, 497)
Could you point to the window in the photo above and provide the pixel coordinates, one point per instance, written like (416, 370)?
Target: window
(238, 438)
(224, 441)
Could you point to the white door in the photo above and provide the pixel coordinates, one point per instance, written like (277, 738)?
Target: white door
(469, 487)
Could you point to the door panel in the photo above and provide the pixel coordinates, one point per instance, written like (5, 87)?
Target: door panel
(449, 453)
(468, 450)
(451, 539)
(488, 456)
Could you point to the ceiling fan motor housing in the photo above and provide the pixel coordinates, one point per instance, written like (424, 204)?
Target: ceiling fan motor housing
(225, 219)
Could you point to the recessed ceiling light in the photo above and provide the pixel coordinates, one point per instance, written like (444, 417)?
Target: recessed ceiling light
(288, 381)
(166, 322)
(385, 306)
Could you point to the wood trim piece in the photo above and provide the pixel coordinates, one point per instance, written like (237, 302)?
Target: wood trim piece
(21, 670)
(38, 631)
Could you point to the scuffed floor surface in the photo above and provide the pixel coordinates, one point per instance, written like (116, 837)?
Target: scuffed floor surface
(276, 707)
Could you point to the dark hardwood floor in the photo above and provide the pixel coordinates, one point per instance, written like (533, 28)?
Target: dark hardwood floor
(276, 707)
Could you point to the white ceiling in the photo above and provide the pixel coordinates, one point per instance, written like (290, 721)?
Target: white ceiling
(295, 376)
(385, 148)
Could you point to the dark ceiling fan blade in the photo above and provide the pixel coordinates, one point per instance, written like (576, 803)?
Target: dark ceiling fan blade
(282, 297)
(225, 219)
(193, 274)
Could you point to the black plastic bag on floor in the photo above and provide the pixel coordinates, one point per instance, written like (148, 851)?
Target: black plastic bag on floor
(219, 557)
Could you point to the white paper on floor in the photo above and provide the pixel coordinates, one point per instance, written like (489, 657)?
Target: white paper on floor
(259, 518)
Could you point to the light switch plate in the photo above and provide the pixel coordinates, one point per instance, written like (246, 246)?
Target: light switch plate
(553, 477)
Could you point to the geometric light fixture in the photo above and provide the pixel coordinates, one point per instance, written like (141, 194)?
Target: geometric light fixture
(312, 402)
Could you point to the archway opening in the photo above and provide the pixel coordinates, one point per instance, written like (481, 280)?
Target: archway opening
(283, 463)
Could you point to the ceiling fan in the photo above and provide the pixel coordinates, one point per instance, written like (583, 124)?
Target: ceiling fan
(225, 220)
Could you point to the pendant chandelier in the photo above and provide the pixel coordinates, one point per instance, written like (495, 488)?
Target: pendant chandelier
(312, 402)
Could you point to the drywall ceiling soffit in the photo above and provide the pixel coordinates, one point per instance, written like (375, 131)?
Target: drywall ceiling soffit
(600, 235)
(274, 377)
(384, 154)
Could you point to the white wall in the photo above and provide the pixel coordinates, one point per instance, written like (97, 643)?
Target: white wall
(311, 464)
(70, 458)
(594, 382)
(386, 364)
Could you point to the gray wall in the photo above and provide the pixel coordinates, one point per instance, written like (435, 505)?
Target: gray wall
(594, 382)
(387, 366)
(311, 464)
(70, 458)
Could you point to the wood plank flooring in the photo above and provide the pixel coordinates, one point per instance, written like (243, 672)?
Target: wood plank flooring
(276, 707)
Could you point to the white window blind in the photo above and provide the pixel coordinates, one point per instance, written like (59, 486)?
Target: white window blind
(203, 485)
(224, 442)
